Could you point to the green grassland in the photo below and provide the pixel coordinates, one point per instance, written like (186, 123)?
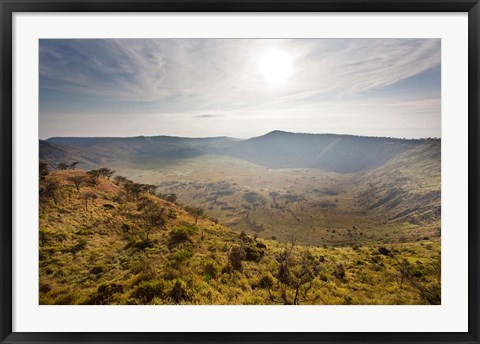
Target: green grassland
(102, 243)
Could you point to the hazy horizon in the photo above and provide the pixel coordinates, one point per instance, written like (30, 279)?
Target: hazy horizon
(239, 87)
(240, 138)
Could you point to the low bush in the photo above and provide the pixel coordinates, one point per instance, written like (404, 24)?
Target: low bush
(180, 291)
(105, 294)
(180, 234)
(146, 291)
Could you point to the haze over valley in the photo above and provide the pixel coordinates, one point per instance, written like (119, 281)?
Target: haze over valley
(323, 189)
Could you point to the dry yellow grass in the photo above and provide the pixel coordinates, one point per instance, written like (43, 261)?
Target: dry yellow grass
(109, 252)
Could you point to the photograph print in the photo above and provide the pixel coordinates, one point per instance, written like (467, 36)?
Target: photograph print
(239, 171)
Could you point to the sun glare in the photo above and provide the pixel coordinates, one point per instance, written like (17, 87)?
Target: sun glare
(275, 66)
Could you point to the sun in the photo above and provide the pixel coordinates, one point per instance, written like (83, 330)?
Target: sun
(275, 66)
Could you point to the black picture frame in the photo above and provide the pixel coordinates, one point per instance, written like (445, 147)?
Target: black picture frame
(9, 7)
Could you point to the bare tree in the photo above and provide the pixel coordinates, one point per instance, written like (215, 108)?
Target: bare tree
(295, 275)
(428, 291)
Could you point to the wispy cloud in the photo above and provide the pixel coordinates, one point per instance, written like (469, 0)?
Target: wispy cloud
(207, 116)
(201, 78)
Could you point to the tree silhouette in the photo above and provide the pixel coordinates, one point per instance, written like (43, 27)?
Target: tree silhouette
(105, 172)
(43, 169)
(155, 215)
(88, 196)
(133, 189)
(93, 177)
(168, 197)
(77, 181)
(62, 166)
(148, 188)
(74, 164)
(49, 189)
(196, 212)
(120, 179)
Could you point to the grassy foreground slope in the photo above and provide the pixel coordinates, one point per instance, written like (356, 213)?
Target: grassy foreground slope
(114, 242)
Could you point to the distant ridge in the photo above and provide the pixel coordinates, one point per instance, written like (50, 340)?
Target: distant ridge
(276, 149)
(339, 153)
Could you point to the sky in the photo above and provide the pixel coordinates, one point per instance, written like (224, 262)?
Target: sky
(239, 87)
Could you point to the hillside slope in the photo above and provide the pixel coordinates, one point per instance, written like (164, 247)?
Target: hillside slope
(407, 189)
(105, 242)
(54, 153)
(141, 150)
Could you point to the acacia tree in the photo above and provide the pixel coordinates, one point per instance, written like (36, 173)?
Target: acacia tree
(88, 196)
(148, 188)
(93, 177)
(155, 215)
(49, 189)
(77, 181)
(197, 212)
(120, 180)
(274, 196)
(133, 189)
(74, 164)
(62, 166)
(105, 172)
(168, 197)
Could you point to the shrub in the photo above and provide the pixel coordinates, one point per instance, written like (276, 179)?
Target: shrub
(347, 300)
(148, 290)
(96, 270)
(253, 254)
(179, 257)
(45, 288)
(181, 234)
(125, 228)
(180, 291)
(211, 268)
(235, 257)
(79, 246)
(385, 251)
(261, 245)
(340, 272)
(140, 244)
(172, 214)
(266, 281)
(104, 294)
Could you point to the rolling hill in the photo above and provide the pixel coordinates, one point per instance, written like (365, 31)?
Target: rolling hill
(337, 153)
